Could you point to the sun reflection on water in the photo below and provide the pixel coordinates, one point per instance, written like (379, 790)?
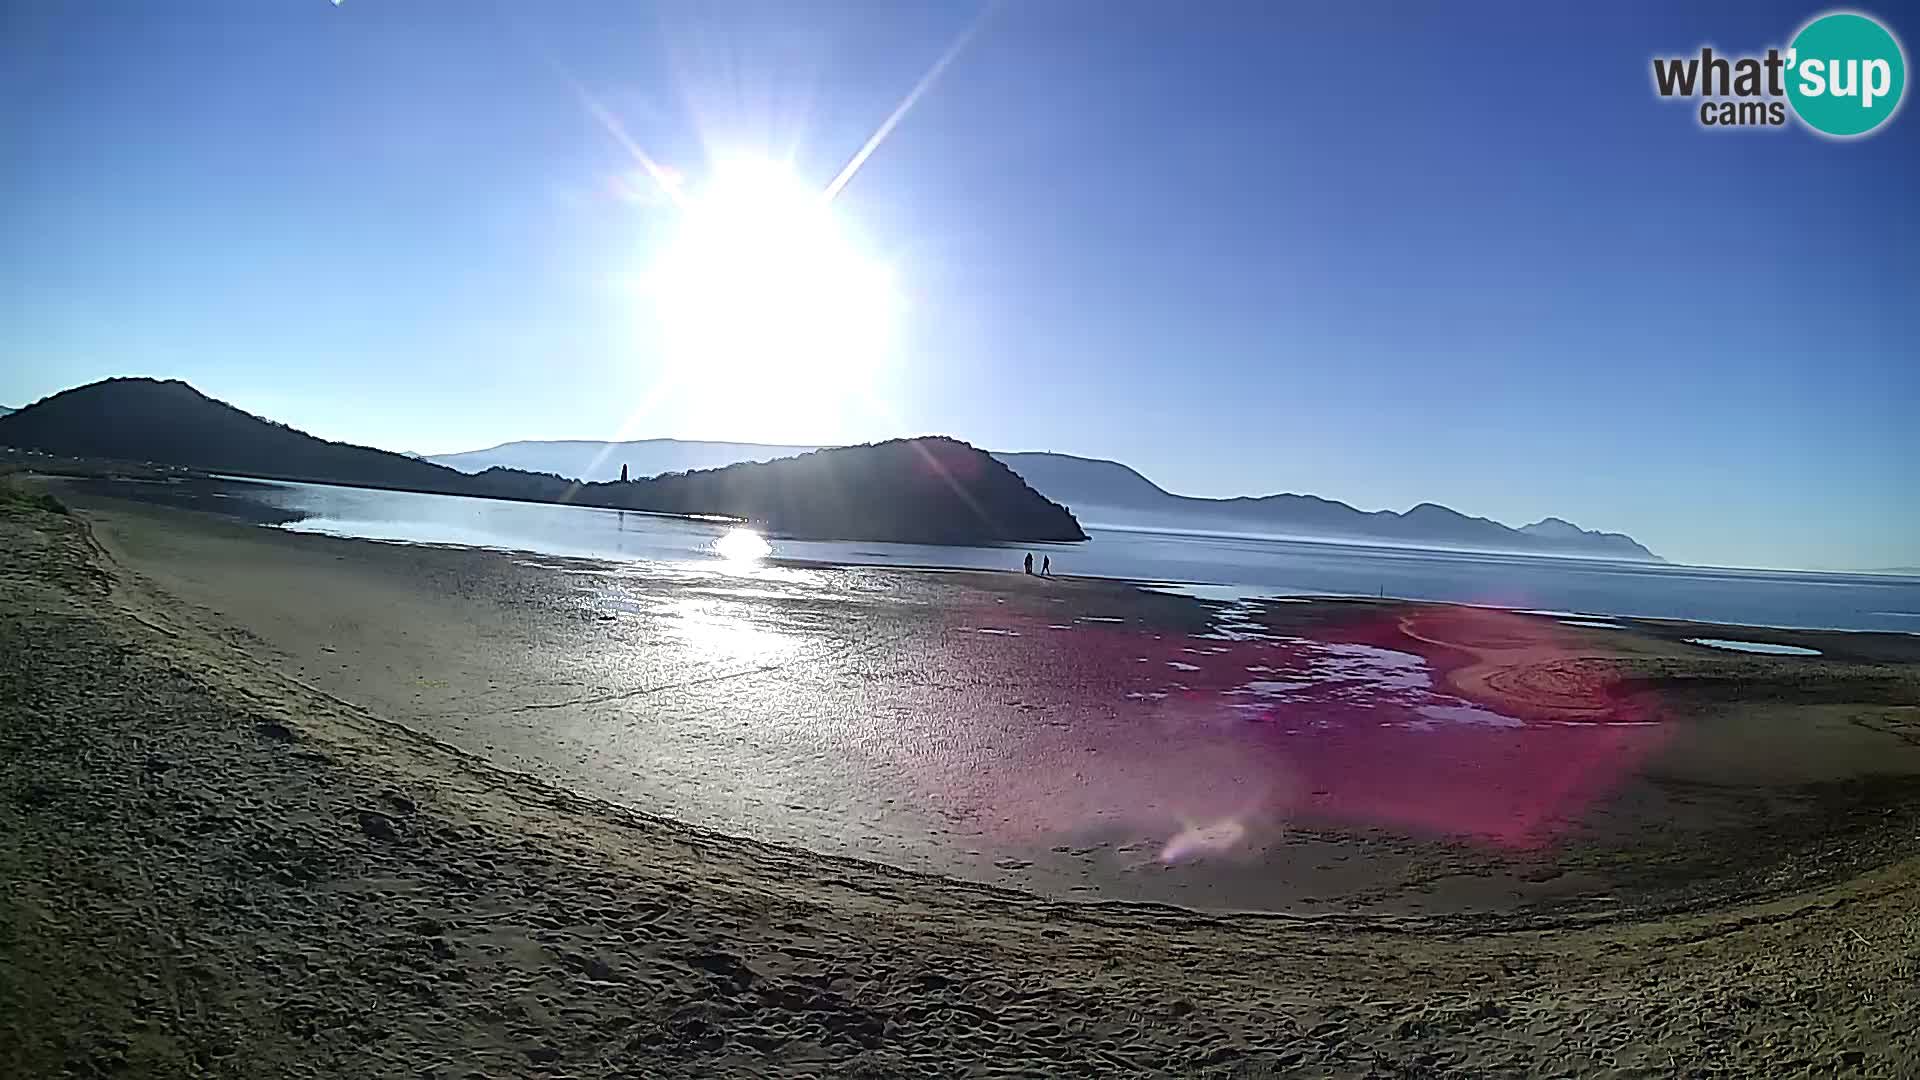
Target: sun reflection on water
(742, 546)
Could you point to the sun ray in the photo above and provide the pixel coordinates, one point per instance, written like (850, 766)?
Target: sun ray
(833, 189)
(663, 384)
(662, 178)
(959, 490)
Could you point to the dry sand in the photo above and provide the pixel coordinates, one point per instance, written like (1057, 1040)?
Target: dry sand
(212, 866)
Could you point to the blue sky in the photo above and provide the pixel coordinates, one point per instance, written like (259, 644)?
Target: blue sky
(1384, 256)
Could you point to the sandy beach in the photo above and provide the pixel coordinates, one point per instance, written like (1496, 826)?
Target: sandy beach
(298, 805)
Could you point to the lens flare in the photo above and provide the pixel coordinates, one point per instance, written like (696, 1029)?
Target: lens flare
(1196, 841)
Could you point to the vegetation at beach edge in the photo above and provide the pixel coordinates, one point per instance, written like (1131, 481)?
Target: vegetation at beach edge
(15, 492)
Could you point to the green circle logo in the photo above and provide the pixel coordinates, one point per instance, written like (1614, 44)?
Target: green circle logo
(1845, 74)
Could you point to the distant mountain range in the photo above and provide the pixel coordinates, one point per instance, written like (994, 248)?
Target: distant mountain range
(601, 461)
(1109, 493)
(929, 490)
(1105, 493)
(805, 495)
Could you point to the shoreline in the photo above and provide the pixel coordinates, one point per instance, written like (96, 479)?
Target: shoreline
(1150, 584)
(119, 472)
(101, 472)
(267, 517)
(224, 872)
(915, 719)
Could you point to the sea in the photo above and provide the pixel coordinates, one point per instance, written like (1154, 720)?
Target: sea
(1208, 565)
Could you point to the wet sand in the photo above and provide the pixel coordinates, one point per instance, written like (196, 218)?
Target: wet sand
(337, 836)
(1083, 739)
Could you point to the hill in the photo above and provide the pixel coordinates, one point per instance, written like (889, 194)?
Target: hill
(929, 490)
(171, 423)
(1090, 480)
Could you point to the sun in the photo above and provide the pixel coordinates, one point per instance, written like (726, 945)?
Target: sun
(764, 299)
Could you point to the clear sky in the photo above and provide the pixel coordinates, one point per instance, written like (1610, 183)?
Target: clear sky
(1382, 255)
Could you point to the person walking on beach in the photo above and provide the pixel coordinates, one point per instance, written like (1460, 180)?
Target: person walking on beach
(1046, 566)
(1029, 563)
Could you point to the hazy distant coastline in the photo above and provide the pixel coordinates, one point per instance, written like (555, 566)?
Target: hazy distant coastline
(1100, 492)
(933, 490)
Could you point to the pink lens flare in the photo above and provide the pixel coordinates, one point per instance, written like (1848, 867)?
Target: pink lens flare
(1434, 721)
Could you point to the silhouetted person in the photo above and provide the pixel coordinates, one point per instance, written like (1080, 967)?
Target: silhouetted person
(1029, 562)
(623, 473)
(1046, 566)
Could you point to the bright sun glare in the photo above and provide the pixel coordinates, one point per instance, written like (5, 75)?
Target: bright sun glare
(762, 294)
(741, 545)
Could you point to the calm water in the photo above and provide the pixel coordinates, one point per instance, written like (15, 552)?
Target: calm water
(1236, 566)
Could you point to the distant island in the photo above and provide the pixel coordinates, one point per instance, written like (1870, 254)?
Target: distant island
(1104, 493)
(931, 490)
